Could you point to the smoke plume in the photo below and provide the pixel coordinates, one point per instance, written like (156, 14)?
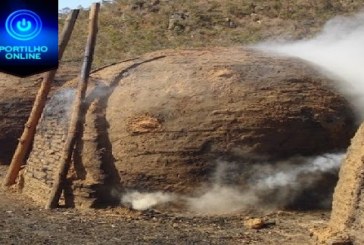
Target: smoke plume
(245, 186)
(60, 103)
(338, 50)
(143, 201)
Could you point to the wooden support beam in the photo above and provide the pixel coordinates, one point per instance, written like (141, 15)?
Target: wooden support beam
(77, 112)
(27, 137)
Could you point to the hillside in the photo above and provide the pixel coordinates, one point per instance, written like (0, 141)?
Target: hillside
(133, 27)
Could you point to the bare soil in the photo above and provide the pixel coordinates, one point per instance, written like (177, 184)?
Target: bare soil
(23, 222)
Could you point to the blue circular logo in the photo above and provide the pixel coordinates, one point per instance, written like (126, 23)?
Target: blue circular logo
(23, 25)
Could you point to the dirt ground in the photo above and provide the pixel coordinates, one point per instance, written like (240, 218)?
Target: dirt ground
(24, 222)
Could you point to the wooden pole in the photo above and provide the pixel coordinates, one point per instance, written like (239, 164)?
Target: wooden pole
(77, 113)
(27, 137)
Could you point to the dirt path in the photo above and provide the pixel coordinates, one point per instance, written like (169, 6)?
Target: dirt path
(23, 222)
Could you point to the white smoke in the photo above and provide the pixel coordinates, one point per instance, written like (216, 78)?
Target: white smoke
(287, 174)
(268, 185)
(60, 103)
(143, 201)
(221, 199)
(338, 49)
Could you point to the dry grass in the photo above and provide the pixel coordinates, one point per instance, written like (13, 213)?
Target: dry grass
(132, 27)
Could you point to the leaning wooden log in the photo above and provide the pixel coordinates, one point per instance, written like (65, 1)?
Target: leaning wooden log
(27, 137)
(77, 112)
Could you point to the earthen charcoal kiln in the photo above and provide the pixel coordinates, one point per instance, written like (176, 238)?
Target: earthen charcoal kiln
(158, 122)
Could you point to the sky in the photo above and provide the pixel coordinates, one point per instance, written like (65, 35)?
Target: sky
(75, 3)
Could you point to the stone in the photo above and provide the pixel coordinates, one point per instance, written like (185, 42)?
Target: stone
(255, 223)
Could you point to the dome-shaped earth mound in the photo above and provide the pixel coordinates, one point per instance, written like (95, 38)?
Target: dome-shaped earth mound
(171, 117)
(16, 100)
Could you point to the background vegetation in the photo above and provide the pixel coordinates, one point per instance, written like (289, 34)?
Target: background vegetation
(132, 27)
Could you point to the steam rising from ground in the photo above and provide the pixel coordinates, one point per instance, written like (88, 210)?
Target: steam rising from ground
(243, 186)
(338, 49)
